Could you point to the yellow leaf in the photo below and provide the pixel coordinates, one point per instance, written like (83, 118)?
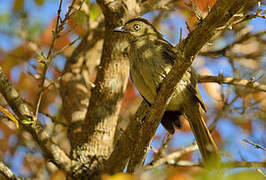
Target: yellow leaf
(39, 2)
(95, 11)
(9, 115)
(18, 5)
(118, 176)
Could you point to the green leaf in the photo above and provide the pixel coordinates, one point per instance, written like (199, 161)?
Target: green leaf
(5, 18)
(81, 17)
(95, 11)
(27, 121)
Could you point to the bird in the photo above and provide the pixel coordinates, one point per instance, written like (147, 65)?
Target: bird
(151, 58)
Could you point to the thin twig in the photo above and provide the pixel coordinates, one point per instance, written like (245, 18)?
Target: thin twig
(58, 28)
(233, 81)
(47, 61)
(254, 144)
(173, 157)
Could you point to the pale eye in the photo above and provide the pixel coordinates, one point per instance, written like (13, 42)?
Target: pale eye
(136, 27)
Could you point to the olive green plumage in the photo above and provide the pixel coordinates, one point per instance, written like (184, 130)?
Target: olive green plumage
(151, 58)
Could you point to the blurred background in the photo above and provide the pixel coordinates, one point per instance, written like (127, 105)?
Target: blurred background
(240, 112)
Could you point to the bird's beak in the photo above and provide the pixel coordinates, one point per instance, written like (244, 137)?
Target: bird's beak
(121, 29)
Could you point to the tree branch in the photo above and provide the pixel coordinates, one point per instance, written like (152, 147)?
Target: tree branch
(233, 81)
(6, 172)
(23, 111)
(229, 164)
(254, 144)
(106, 97)
(74, 88)
(220, 14)
(173, 157)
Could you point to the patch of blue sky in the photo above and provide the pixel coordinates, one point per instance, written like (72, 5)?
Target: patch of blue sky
(15, 73)
(5, 6)
(174, 22)
(2, 135)
(8, 42)
(59, 62)
(13, 140)
(44, 13)
(17, 159)
(257, 25)
(53, 109)
(30, 66)
(219, 65)
(233, 136)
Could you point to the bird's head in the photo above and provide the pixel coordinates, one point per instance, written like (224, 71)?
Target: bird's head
(138, 28)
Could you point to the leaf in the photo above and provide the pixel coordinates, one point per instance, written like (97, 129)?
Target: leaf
(80, 17)
(17, 56)
(27, 121)
(5, 18)
(39, 2)
(9, 115)
(95, 12)
(118, 176)
(57, 175)
(18, 5)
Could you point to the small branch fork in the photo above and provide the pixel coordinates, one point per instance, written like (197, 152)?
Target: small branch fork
(174, 159)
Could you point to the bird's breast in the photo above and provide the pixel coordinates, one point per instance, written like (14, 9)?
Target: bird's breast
(147, 71)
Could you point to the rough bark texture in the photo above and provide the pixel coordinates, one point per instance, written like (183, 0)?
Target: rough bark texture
(75, 82)
(105, 101)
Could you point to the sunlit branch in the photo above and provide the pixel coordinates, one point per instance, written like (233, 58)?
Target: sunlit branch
(232, 81)
(6, 172)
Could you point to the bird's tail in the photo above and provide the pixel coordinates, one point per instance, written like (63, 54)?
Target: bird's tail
(206, 144)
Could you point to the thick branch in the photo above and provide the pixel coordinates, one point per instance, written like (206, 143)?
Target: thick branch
(74, 84)
(106, 96)
(120, 156)
(233, 81)
(189, 47)
(23, 111)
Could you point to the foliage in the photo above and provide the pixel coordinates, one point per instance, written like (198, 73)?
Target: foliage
(236, 111)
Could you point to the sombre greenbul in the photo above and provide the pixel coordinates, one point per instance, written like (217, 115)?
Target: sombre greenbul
(151, 58)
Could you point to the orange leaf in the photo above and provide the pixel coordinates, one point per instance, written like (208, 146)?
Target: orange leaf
(17, 56)
(58, 175)
(47, 37)
(118, 176)
(179, 176)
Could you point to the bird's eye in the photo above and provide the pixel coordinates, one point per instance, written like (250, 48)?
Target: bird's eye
(136, 27)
